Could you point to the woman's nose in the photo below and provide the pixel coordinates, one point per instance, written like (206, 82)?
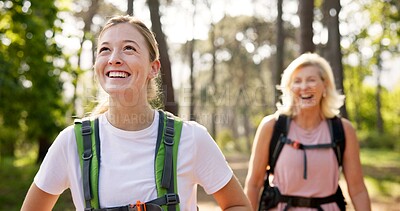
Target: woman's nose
(303, 85)
(115, 59)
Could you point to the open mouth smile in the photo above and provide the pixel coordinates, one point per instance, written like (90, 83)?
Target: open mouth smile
(306, 97)
(117, 74)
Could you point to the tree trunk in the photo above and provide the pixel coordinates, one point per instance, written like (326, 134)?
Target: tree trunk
(280, 43)
(306, 15)
(379, 119)
(333, 53)
(129, 10)
(192, 82)
(44, 145)
(168, 90)
(213, 81)
(191, 61)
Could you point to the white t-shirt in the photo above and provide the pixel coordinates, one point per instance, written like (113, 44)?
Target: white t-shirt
(127, 165)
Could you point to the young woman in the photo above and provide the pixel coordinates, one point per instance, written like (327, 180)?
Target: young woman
(126, 65)
(309, 98)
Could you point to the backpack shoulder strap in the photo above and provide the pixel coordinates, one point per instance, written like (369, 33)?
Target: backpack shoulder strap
(280, 131)
(337, 137)
(169, 134)
(88, 150)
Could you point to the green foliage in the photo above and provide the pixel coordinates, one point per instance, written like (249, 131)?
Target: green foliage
(374, 140)
(14, 183)
(16, 177)
(379, 34)
(30, 86)
(224, 139)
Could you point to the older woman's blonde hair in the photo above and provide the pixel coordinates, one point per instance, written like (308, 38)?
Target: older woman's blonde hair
(153, 89)
(332, 99)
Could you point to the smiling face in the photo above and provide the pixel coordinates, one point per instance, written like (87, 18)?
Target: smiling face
(123, 65)
(307, 87)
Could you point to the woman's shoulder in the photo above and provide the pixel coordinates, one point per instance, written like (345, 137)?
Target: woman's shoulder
(268, 121)
(347, 125)
(67, 131)
(195, 127)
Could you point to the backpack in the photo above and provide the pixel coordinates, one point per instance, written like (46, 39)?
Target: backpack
(165, 161)
(271, 196)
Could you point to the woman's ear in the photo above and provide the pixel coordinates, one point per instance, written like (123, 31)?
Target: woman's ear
(155, 68)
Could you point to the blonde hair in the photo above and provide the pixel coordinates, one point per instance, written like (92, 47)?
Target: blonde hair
(330, 103)
(153, 90)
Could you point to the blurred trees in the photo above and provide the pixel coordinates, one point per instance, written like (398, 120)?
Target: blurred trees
(46, 77)
(235, 84)
(373, 51)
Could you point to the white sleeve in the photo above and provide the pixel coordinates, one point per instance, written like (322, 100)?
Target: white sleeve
(212, 171)
(52, 176)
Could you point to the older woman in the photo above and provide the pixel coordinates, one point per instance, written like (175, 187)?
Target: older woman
(306, 172)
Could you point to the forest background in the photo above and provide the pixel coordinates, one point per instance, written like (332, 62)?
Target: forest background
(221, 61)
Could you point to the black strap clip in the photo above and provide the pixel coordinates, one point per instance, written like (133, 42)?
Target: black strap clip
(86, 130)
(171, 198)
(169, 132)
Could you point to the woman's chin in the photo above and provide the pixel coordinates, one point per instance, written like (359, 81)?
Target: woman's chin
(117, 90)
(309, 105)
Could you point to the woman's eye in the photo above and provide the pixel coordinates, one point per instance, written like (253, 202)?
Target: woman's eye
(129, 48)
(103, 49)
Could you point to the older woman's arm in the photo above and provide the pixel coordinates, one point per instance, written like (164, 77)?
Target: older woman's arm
(352, 170)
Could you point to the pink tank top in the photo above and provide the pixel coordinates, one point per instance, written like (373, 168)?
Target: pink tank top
(322, 167)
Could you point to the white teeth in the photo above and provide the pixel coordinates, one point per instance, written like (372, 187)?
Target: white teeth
(306, 96)
(117, 74)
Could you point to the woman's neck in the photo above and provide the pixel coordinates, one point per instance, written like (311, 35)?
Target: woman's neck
(131, 118)
(308, 120)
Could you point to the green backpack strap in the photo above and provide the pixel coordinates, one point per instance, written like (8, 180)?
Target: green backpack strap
(170, 129)
(88, 151)
(166, 154)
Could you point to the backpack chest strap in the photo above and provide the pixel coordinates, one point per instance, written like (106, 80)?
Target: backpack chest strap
(297, 145)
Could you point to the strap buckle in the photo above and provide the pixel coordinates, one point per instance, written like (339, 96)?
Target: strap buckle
(295, 144)
(86, 130)
(169, 132)
(87, 156)
(171, 198)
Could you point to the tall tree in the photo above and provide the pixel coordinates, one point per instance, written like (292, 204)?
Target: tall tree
(333, 51)
(280, 45)
(306, 16)
(168, 90)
